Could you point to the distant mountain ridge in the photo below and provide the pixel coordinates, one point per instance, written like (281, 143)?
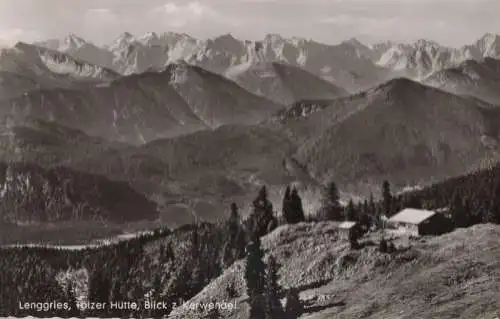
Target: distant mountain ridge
(480, 79)
(400, 129)
(140, 108)
(350, 64)
(283, 83)
(422, 58)
(26, 67)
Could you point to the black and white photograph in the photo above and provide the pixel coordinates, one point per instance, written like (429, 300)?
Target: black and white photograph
(250, 159)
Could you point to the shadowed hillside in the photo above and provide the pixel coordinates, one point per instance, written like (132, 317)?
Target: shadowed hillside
(283, 83)
(401, 130)
(31, 194)
(141, 108)
(480, 79)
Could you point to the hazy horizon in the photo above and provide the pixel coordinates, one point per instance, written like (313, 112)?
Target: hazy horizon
(449, 22)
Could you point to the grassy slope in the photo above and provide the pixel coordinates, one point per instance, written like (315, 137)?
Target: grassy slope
(453, 276)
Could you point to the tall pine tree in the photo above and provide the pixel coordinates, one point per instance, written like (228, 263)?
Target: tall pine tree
(495, 204)
(273, 307)
(117, 296)
(458, 212)
(214, 313)
(99, 290)
(330, 206)
(287, 209)
(255, 274)
(293, 210)
(350, 212)
(387, 198)
(262, 220)
(234, 247)
(298, 209)
(74, 311)
(195, 243)
(293, 307)
(157, 295)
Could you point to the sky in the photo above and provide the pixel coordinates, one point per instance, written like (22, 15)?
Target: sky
(450, 22)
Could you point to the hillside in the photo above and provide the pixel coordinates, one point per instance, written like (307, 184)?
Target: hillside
(283, 83)
(202, 172)
(308, 119)
(451, 276)
(79, 48)
(403, 131)
(479, 79)
(140, 108)
(47, 144)
(216, 100)
(31, 194)
(26, 67)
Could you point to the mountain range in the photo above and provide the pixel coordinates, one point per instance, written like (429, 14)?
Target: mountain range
(196, 124)
(162, 131)
(350, 64)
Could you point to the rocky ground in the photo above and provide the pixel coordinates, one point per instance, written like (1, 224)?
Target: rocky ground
(456, 275)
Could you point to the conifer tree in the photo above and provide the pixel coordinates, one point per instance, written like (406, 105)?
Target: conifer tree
(214, 312)
(195, 243)
(231, 291)
(383, 246)
(458, 213)
(156, 296)
(331, 208)
(233, 224)
(255, 273)
(262, 219)
(273, 308)
(294, 307)
(117, 296)
(371, 205)
(74, 311)
(387, 198)
(162, 256)
(234, 246)
(99, 290)
(286, 210)
(169, 252)
(350, 214)
(495, 205)
(197, 280)
(298, 209)
(293, 210)
(364, 217)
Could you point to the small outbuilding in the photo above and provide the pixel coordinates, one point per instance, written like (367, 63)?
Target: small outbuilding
(418, 222)
(349, 230)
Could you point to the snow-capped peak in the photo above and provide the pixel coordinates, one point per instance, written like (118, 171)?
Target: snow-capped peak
(423, 43)
(126, 36)
(72, 41)
(123, 41)
(150, 38)
(489, 45)
(355, 42)
(273, 38)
